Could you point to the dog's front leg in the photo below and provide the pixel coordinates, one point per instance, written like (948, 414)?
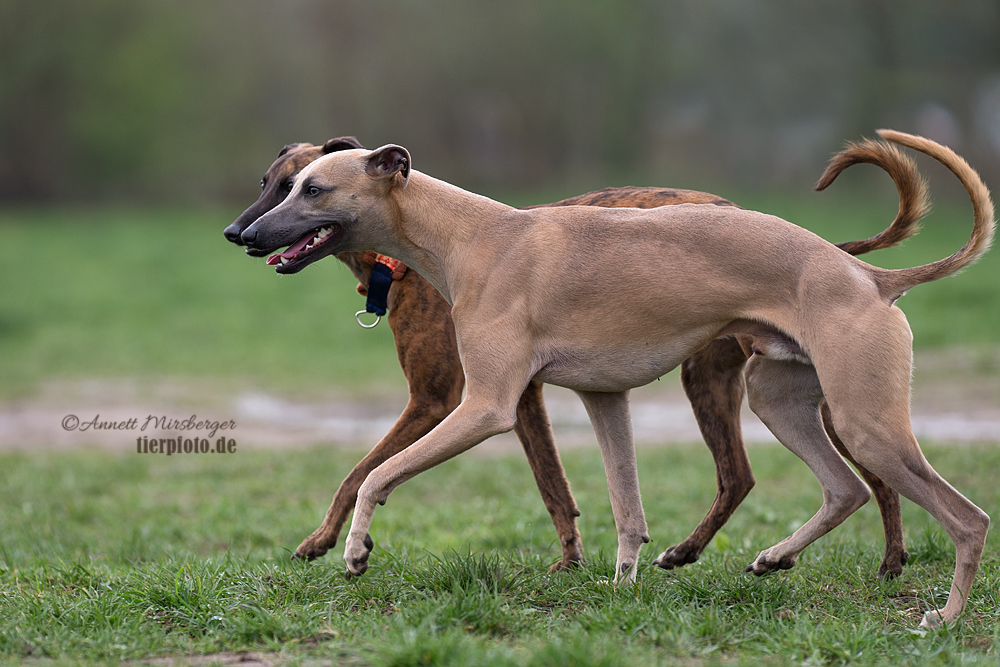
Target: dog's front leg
(415, 422)
(428, 355)
(472, 422)
(609, 415)
(534, 430)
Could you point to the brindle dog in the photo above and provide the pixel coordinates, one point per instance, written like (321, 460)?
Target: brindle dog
(421, 323)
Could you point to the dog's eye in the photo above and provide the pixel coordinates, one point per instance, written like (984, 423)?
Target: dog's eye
(262, 183)
(313, 191)
(289, 185)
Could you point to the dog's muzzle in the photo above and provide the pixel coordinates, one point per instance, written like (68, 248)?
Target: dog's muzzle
(234, 234)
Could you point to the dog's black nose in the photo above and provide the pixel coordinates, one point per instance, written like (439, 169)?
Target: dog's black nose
(232, 234)
(248, 236)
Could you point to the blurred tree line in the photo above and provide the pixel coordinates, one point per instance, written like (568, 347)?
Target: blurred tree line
(182, 100)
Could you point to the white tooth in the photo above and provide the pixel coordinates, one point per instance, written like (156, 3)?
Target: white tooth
(309, 247)
(323, 233)
(284, 260)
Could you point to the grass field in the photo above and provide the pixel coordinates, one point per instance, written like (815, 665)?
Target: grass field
(109, 558)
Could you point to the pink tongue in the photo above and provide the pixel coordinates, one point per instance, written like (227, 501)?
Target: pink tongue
(293, 250)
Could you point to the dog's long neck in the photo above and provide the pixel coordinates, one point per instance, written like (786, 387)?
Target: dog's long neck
(435, 220)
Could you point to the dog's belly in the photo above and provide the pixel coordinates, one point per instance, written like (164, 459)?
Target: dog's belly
(616, 368)
(603, 379)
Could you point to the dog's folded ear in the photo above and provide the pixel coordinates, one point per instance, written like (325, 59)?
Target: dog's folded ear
(288, 148)
(341, 144)
(388, 161)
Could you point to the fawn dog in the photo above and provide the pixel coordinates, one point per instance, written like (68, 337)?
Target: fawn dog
(420, 320)
(601, 300)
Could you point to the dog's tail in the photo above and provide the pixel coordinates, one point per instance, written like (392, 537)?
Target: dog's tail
(894, 283)
(914, 202)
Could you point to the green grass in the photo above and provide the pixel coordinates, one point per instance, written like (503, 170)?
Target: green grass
(160, 295)
(111, 294)
(107, 557)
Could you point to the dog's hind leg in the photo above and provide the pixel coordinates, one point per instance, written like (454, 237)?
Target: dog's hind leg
(872, 415)
(713, 382)
(535, 433)
(889, 507)
(609, 415)
(786, 395)
(913, 477)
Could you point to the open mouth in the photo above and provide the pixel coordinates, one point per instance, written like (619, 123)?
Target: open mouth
(304, 247)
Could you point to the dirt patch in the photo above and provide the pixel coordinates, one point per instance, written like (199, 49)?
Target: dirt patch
(225, 659)
(242, 659)
(956, 399)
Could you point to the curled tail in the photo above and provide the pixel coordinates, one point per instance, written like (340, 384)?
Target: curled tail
(914, 202)
(893, 283)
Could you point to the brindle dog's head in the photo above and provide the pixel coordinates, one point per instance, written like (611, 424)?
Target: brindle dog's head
(278, 181)
(339, 203)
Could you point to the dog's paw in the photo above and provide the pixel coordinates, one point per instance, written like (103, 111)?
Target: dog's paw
(356, 554)
(677, 556)
(566, 564)
(892, 565)
(932, 620)
(765, 564)
(572, 556)
(626, 574)
(313, 548)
